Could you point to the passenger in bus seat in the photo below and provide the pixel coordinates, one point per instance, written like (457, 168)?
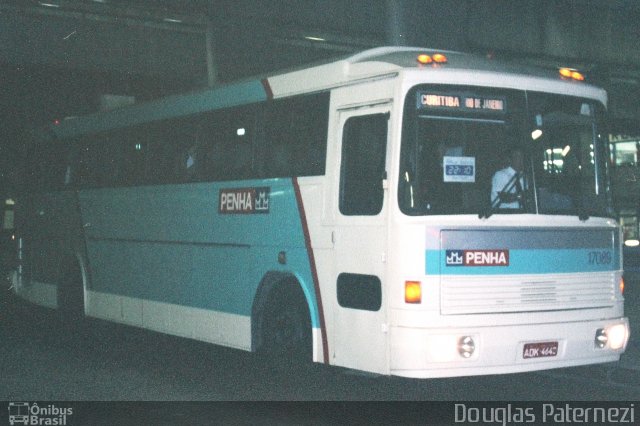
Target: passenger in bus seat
(191, 163)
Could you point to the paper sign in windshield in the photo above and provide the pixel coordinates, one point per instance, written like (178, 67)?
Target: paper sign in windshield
(459, 169)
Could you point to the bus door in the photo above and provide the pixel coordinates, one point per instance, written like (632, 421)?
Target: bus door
(359, 238)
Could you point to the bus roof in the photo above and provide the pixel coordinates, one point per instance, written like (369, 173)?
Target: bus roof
(372, 63)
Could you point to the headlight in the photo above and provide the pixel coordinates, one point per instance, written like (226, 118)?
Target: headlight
(615, 337)
(466, 346)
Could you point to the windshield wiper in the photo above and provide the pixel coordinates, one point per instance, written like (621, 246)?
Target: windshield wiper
(583, 213)
(514, 182)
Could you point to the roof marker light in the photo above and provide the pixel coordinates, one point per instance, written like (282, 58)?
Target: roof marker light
(577, 76)
(571, 73)
(439, 58)
(424, 59)
(565, 72)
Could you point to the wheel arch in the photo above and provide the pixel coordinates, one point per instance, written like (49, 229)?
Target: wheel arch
(73, 272)
(271, 281)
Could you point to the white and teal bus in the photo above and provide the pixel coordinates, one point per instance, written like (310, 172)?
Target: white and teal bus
(343, 212)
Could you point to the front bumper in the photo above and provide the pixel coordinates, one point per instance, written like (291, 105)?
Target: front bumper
(428, 352)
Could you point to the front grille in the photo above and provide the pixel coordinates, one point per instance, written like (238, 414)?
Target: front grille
(476, 295)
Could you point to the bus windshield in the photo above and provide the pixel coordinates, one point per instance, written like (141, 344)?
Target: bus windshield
(486, 151)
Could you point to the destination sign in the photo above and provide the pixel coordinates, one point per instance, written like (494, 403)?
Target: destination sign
(460, 102)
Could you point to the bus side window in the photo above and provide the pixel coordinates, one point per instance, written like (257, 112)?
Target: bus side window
(48, 165)
(204, 157)
(295, 131)
(158, 158)
(227, 144)
(86, 162)
(278, 155)
(364, 144)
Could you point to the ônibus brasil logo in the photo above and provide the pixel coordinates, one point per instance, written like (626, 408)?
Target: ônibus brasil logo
(24, 413)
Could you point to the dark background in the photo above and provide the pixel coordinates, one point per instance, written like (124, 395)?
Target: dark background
(58, 58)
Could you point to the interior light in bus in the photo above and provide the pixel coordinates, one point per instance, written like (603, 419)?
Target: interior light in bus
(632, 243)
(412, 292)
(314, 38)
(241, 131)
(566, 150)
(536, 134)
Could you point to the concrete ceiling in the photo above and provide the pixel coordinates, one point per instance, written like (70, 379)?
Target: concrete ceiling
(168, 38)
(58, 56)
(186, 44)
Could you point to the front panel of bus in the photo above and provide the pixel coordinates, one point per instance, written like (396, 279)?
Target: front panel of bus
(505, 254)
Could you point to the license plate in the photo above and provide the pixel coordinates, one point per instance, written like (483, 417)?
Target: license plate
(540, 350)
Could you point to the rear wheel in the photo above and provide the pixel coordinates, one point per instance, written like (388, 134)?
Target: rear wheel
(71, 296)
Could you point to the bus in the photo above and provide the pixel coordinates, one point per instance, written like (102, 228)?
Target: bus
(342, 214)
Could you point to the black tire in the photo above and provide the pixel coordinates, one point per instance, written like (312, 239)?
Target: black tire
(286, 338)
(71, 296)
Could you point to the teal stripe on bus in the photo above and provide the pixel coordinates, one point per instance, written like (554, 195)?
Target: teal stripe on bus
(172, 244)
(169, 107)
(532, 261)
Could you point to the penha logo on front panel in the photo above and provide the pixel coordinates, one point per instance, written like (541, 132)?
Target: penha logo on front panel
(477, 258)
(244, 200)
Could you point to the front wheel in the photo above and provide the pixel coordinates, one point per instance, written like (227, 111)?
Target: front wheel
(287, 327)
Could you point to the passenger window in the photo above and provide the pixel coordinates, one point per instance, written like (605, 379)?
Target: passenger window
(364, 143)
(296, 136)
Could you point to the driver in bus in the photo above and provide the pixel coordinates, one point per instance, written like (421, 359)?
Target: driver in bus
(508, 184)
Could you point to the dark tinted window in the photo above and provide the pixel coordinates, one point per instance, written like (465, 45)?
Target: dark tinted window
(282, 138)
(359, 291)
(295, 137)
(364, 142)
